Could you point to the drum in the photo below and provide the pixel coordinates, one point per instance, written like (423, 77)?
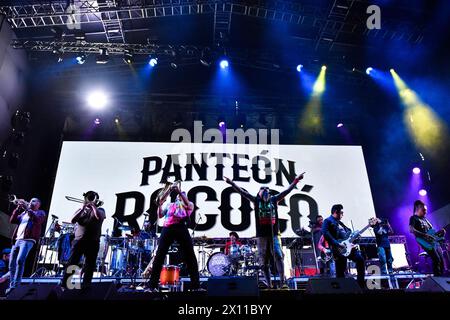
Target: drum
(234, 252)
(64, 245)
(149, 244)
(135, 244)
(170, 275)
(118, 258)
(219, 264)
(246, 251)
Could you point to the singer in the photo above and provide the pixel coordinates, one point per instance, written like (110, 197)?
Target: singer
(175, 229)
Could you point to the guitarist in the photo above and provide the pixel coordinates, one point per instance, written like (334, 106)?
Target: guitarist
(420, 226)
(334, 232)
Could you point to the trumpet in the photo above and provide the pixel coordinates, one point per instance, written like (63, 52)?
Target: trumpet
(164, 193)
(13, 199)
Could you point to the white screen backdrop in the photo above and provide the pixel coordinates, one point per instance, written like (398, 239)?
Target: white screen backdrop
(337, 174)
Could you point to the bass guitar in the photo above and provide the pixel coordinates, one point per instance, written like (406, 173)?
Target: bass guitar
(432, 238)
(348, 244)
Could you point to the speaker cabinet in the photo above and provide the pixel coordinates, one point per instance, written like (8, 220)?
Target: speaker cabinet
(36, 291)
(333, 286)
(233, 286)
(97, 291)
(435, 284)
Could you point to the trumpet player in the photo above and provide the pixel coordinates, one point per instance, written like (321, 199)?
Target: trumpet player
(88, 219)
(29, 219)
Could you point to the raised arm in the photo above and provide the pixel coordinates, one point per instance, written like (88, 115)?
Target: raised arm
(15, 215)
(291, 187)
(184, 198)
(243, 192)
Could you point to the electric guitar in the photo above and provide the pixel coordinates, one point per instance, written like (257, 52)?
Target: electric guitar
(432, 238)
(348, 243)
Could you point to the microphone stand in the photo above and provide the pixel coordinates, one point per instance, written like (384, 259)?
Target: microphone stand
(47, 232)
(196, 224)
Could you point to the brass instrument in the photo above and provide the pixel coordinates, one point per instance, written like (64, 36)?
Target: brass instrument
(95, 201)
(13, 199)
(164, 193)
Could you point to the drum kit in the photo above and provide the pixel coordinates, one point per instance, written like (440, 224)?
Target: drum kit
(240, 261)
(117, 256)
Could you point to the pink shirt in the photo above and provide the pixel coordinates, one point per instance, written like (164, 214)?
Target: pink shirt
(176, 212)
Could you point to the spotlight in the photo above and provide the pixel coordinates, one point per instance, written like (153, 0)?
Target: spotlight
(391, 70)
(59, 52)
(79, 35)
(224, 64)
(97, 121)
(369, 70)
(97, 100)
(340, 125)
(222, 124)
(422, 192)
(128, 57)
(324, 67)
(116, 120)
(153, 61)
(103, 57)
(416, 170)
(299, 67)
(81, 59)
(174, 60)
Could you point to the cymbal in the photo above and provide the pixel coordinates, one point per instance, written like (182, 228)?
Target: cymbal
(215, 246)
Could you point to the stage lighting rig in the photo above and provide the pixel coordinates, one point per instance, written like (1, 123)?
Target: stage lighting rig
(103, 57)
(128, 57)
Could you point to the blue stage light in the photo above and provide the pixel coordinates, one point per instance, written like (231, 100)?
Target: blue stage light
(224, 64)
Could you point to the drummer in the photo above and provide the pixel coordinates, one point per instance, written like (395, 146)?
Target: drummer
(233, 244)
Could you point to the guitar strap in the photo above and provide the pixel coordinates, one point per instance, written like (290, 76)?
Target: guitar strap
(347, 229)
(429, 223)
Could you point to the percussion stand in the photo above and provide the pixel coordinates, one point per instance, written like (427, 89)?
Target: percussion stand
(202, 255)
(42, 240)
